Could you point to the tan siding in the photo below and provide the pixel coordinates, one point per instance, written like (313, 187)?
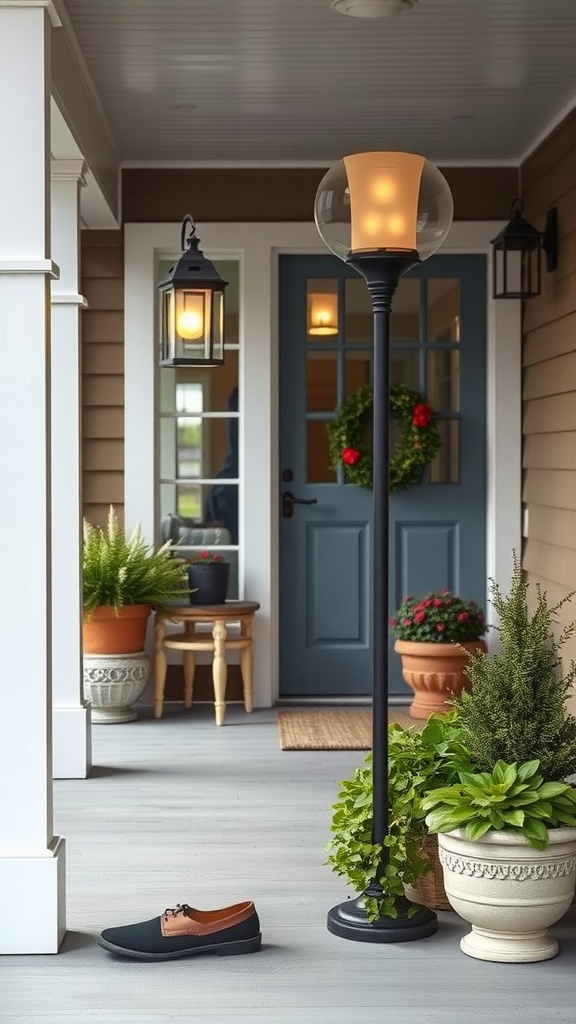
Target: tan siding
(103, 374)
(553, 487)
(103, 391)
(549, 179)
(102, 455)
(107, 423)
(550, 415)
(103, 358)
(553, 526)
(553, 377)
(104, 293)
(551, 560)
(551, 340)
(550, 451)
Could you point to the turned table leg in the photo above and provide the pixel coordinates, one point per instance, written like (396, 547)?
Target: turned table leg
(159, 666)
(219, 671)
(247, 663)
(189, 665)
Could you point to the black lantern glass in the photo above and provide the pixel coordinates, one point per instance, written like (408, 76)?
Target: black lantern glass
(192, 308)
(517, 272)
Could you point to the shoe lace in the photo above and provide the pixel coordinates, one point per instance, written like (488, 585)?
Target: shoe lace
(180, 908)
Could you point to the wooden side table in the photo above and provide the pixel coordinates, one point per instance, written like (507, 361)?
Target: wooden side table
(189, 641)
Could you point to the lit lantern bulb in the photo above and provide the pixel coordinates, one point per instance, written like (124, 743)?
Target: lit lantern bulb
(190, 325)
(371, 223)
(383, 190)
(396, 224)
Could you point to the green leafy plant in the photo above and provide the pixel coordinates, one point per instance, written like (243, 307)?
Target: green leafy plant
(205, 558)
(512, 797)
(117, 571)
(438, 619)
(417, 762)
(516, 710)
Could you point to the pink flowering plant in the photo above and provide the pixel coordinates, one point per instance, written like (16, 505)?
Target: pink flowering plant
(205, 558)
(438, 619)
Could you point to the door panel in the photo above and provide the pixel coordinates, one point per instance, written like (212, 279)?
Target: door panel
(438, 527)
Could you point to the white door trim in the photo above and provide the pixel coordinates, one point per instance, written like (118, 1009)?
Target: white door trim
(258, 247)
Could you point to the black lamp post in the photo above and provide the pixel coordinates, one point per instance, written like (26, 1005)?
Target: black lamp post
(192, 308)
(516, 267)
(382, 213)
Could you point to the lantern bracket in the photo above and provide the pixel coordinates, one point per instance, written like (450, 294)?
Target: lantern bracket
(193, 241)
(550, 240)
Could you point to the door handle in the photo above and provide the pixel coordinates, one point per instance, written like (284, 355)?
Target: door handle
(288, 502)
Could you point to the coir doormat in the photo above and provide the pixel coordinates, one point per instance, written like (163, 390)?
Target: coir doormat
(333, 730)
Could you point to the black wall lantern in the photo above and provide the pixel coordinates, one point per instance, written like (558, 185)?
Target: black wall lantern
(517, 260)
(192, 308)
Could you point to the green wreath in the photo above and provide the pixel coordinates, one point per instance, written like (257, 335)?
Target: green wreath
(350, 437)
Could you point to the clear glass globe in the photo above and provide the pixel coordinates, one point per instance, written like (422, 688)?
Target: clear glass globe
(390, 202)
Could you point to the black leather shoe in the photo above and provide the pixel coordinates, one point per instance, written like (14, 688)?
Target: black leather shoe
(184, 931)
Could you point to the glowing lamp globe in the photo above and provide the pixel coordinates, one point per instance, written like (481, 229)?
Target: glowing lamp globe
(384, 203)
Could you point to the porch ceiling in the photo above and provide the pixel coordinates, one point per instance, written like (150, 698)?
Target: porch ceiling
(289, 80)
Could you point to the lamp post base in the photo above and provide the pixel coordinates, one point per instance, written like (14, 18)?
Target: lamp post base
(349, 921)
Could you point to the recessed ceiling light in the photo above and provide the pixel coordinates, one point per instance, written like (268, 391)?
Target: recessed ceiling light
(372, 8)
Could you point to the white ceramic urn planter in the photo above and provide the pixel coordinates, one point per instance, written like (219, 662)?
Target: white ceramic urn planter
(509, 892)
(112, 682)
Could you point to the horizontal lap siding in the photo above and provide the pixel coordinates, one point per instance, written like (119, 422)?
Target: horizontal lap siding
(549, 389)
(103, 374)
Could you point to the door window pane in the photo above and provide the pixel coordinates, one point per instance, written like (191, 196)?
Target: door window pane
(318, 467)
(444, 380)
(405, 319)
(359, 322)
(358, 370)
(321, 381)
(445, 467)
(405, 367)
(321, 309)
(443, 309)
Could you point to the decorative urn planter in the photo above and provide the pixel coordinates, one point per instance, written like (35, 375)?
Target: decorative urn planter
(436, 672)
(112, 682)
(105, 632)
(208, 582)
(509, 892)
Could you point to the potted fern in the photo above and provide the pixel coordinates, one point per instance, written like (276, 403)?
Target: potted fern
(507, 827)
(123, 579)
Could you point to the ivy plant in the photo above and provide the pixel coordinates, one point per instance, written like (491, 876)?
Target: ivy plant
(512, 797)
(417, 763)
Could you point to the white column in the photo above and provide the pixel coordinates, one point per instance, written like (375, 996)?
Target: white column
(32, 868)
(72, 755)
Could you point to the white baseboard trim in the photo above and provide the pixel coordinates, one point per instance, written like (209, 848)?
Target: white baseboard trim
(71, 741)
(33, 901)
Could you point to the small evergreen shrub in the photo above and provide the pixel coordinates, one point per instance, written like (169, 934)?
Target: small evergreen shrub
(516, 708)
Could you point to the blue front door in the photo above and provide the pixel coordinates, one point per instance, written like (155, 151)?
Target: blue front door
(438, 527)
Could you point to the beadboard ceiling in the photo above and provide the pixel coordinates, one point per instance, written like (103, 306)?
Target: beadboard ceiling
(285, 81)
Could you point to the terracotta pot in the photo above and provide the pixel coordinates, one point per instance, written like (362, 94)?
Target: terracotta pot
(105, 632)
(436, 673)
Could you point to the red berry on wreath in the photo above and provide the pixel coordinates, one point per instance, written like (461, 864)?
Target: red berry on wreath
(350, 456)
(421, 415)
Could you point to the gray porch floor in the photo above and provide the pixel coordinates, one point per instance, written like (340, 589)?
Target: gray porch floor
(180, 811)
